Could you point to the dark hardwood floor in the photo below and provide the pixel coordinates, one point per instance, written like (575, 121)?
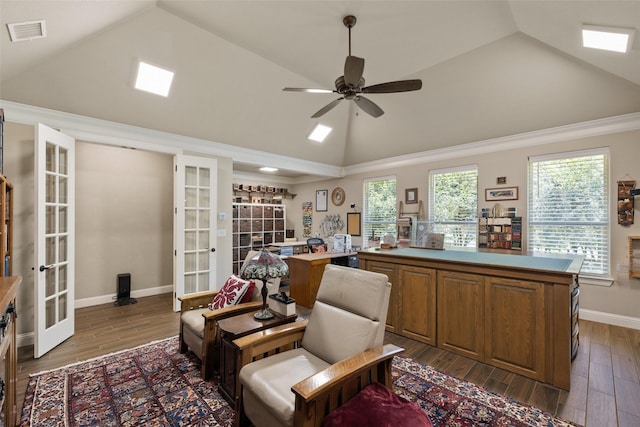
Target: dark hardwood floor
(605, 380)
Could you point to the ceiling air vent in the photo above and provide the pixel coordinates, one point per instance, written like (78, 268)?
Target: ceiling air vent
(22, 31)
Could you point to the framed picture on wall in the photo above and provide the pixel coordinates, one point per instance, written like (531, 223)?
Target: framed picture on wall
(504, 193)
(321, 200)
(411, 196)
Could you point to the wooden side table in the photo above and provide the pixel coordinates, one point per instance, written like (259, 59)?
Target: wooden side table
(230, 329)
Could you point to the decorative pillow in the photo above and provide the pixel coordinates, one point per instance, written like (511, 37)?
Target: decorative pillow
(231, 293)
(247, 295)
(378, 406)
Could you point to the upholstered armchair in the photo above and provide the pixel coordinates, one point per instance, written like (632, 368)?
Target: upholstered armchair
(199, 325)
(295, 374)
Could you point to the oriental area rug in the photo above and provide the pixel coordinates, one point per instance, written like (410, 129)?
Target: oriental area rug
(154, 385)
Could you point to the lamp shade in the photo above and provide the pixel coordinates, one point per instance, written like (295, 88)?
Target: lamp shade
(264, 265)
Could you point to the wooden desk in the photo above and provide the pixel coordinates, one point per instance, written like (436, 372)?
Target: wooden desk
(230, 329)
(305, 273)
(508, 311)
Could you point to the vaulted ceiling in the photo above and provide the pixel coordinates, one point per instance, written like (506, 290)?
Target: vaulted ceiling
(489, 69)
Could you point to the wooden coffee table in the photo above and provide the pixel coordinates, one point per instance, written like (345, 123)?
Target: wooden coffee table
(230, 329)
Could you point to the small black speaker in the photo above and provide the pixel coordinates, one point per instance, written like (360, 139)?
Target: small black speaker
(124, 285)
(124, 290)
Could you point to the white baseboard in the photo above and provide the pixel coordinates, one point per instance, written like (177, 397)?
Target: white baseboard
(105, 299)
(27, 338)
(610, 319)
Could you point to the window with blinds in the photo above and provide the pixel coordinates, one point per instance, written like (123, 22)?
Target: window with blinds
(569, 207)
(380, 208)
(453, 204)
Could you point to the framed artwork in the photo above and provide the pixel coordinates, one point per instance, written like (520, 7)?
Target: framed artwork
(504, 193)
(411, 196)
(353, 223)
(321, 200)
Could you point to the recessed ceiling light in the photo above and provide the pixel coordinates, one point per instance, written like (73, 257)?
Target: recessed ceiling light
(320, 133)
(268, 169)
(153, 79)
(607, 38)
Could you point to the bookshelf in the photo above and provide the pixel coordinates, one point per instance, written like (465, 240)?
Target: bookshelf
(500, 233)
(6, 232)
(261, 194)
(256, 226)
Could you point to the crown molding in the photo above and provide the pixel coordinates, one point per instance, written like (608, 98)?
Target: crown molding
(118, 134)
(609, 125)
(111, 133)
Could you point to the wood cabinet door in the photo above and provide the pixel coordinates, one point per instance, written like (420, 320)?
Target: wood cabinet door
(391, 271)
(515, 326)
(418, 303)
(461, 314)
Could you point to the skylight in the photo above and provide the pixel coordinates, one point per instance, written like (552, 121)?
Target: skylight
(320, 133)
(153, 79)
(607, 38)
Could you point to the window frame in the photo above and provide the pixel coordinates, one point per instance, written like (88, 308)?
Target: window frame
(366, 220)
(604, 225)
(473, 223)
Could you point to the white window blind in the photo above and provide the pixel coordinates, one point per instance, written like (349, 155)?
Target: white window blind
(380, 211)
(453, 204)
(569, 207)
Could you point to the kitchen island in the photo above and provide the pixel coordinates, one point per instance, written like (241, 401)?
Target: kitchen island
(514, 312)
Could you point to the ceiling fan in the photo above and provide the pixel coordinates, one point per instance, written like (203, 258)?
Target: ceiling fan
(351, 84)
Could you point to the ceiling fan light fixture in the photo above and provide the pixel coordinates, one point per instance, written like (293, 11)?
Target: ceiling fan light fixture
(153, 79)
(319, 133)
(607, 38)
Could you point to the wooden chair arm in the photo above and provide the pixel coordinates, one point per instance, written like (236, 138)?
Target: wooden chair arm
(325, 391)
(196, 300)
(257, 345)
(231, 310)
(336, 374)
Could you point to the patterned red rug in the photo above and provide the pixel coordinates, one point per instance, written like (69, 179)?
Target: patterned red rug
(155, 385)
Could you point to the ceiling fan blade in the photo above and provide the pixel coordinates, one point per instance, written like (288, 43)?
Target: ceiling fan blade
(368, 106)
(308, 90)
(326, 108)
(391, 87)
(353, 69)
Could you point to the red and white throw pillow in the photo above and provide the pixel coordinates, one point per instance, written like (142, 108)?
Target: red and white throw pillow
(231, 293)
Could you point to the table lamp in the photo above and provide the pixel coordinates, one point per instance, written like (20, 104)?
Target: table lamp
(264, 266)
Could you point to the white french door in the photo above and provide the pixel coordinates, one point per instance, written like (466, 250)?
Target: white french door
(195, 225)
(55, 236)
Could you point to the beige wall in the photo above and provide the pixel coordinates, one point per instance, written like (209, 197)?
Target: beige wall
(619, 299)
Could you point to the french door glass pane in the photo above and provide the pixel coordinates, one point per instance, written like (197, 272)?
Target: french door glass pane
(62, 277)
(190, 240)
(191, 176)
(50, 190)
(50, 158)
(50, 282)
(190, 285)
(63, 161)
(50, 312)
(62, 307)
(204, 177)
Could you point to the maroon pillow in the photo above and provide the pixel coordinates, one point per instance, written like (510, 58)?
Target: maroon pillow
(247, 295)
(377, 406)
(231, 293)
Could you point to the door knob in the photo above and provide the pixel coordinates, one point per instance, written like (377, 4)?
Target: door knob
(213, 249)
(46, 267)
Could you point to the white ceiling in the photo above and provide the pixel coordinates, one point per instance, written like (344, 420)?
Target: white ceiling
(469, 54)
